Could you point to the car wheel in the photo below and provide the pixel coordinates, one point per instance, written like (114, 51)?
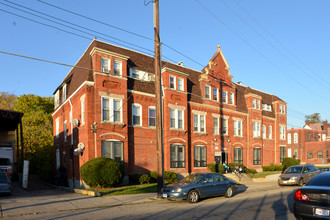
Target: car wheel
(301, 182)
(229, 192)
(193, 196)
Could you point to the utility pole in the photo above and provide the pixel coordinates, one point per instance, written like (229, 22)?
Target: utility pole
(159, 122)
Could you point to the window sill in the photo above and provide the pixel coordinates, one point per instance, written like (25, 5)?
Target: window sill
(113, 123)
(236, 136)
(177, 129)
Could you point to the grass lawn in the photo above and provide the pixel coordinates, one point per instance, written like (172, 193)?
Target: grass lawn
(263, 174)
(125, 190)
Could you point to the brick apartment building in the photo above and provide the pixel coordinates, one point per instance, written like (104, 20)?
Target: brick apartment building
(108, 109)
(310, 144)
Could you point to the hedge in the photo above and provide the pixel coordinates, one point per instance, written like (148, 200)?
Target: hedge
(169, 176)
(103, 172)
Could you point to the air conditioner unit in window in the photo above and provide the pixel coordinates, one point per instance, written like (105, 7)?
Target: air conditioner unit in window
(151, 78)
(105, 70)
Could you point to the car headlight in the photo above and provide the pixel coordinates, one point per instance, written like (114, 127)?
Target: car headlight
(293, 178)
(178, 190)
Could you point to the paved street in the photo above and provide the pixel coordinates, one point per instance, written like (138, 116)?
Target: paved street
(253, 201)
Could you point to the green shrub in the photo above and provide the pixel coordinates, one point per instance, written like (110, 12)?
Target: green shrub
(252, 171)
(221, 168)
(103, 172)
(169, 176)
(213, 167)
(233, 165)
(272, 167)
(144, 179)
(288, 161)
(134, 179)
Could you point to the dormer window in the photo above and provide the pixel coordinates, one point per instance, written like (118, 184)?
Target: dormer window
(282, 109)
(57, 99)
(64, 93)
(180, 84)
(117, 68)
(254, 103)
(231, 98)
(172, 82)
(105, 65)
(258, 104)
(207, 92)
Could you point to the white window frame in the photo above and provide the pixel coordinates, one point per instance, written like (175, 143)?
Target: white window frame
(57, 127)
(207, 88)
(119, 65)
(139, 111)
(238, 123)
(63, 93)
(282, 132)
(83, 109)
(289, 138)
(231, 98)
(216, 125)
(57, 99)
(224, 126)
(151, 108)
(105, 60)
(224, 97)
(111, 110)
(180, 84)
(112, 149)
(174, 82)
(177, 112)
(270, 132)
(215, 94)
(256, 129)
(254, 103)
(295, 138)
(200, 126)
(264, 136)
(258, 104)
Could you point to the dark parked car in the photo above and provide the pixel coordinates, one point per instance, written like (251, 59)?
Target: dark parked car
(324, 169)
(313, 200)
(200, 185)
(298, 175)
(5, 187)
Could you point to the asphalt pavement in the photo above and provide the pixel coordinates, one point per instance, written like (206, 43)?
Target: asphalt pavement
(43, 198)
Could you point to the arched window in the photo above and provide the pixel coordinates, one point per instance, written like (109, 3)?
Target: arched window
(289, 138)
(295, 138)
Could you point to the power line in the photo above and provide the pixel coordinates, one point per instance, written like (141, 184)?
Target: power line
(273, 46)
(258, 52)
(279, 42)
(112, 26)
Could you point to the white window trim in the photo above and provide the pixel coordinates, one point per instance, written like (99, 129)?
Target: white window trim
(111, 109)
(174, 80)
(83, 109)
(256, 131)
(217, 131)
(64, 93)
(289, 138)
(57, 127)
(57, 99)
(199, 123)
(295, 138)
(224, 101)
(210, 93)
(154, 108)
(282, 132)
(217, 93)
(270, 132)
(264, 132)
(236, 122)
(140, 107)
(233, 98)
(120, 63)
(254, 103)
(182, 80)
(176, 118)
(225, 119)
(109, 65)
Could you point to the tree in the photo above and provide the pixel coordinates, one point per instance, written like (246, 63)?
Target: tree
(313, 118)
(7, 101)
(37, 121)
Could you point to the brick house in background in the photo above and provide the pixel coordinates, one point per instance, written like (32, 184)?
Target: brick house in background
(310, 144)
(107, 108)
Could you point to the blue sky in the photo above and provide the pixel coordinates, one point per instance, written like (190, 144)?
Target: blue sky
(279, 47)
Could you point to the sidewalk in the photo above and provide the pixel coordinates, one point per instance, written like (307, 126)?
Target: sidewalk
(42, 198)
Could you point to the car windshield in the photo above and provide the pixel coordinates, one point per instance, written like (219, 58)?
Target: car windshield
(293, 170)
(320, 180)
(193, 178)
